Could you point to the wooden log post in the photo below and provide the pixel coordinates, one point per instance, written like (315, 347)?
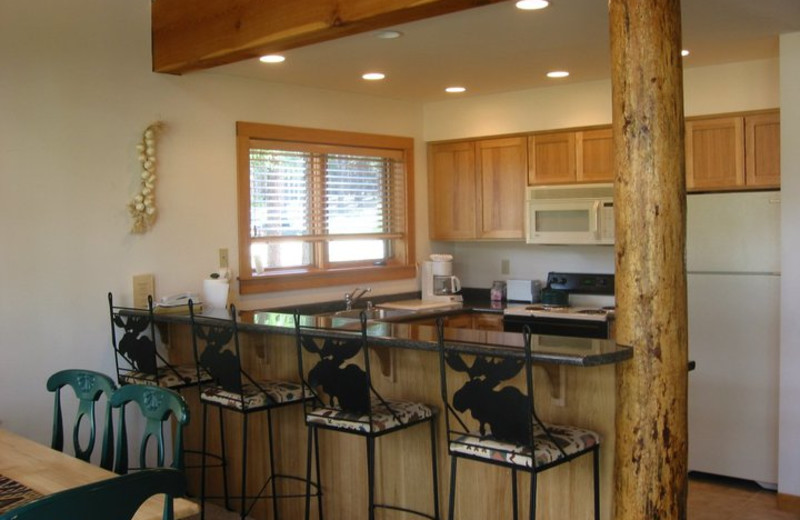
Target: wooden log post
(650, 465)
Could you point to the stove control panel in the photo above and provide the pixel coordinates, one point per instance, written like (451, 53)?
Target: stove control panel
(582, 283)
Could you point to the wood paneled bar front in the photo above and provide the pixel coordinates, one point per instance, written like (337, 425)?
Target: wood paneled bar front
(574, 380)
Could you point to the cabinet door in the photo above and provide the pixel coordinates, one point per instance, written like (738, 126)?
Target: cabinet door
(551, 158)
(715, 153)
(763, 144)
(594, 155)
(487, 321)
(502, 167)
(452, 191)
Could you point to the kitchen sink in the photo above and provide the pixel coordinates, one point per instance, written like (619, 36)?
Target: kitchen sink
(376, 313)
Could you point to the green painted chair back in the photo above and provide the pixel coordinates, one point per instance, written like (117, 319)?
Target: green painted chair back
(117, 498)
(156, 405)
(88, 386)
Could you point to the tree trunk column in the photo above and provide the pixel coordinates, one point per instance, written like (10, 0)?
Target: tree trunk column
(650, 463)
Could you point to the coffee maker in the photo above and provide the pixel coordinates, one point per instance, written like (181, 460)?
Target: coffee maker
(438, 282)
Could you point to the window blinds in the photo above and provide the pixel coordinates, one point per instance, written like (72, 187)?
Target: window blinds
(320, 192)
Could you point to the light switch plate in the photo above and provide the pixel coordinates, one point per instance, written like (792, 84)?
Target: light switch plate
(143, 285)
(223, 257)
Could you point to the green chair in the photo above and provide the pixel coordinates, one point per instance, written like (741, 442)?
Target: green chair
(156, 404)
(118, 498)
(88, 386)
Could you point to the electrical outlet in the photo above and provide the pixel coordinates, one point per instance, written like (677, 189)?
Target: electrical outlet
(505, 266)
(223, 257)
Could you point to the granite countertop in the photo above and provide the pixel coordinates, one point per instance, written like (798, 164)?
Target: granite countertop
(399, 334)
(545, 349)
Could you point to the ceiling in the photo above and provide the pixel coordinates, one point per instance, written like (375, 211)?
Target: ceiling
(498, 48)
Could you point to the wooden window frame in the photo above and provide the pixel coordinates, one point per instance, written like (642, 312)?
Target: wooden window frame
(403, 266)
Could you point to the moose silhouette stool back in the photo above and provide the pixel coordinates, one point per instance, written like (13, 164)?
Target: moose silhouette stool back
(231, 388)
(491, 417)
(137, 359)
(335, 370)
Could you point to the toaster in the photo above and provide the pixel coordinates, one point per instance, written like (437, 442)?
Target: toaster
(520, 291)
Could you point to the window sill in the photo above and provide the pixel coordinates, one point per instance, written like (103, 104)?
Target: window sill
(309, 280)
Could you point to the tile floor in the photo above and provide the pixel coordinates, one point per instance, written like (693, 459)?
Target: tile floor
(710, 498)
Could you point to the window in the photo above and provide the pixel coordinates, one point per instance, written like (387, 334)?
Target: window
(321, 207)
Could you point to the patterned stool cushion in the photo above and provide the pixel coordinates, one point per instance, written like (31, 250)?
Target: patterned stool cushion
(405, 412)
(572, 440)
(168, 377)
(266, 394)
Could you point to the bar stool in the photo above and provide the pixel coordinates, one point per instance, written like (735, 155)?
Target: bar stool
(505, 428)
(216, 350)
(138, 361)
(343, 399)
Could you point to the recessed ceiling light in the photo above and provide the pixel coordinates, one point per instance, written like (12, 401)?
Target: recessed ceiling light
(685, 52)
(455, 90)
(374, 76)
(271, 58)
(558, 74)
(530, 5)
(389, 35)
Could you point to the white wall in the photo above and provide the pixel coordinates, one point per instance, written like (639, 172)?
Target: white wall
(789, 431)
(751, 85)
(76, 91)
(732, 87)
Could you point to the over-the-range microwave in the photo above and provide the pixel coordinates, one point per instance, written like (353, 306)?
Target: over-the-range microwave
(570, 214)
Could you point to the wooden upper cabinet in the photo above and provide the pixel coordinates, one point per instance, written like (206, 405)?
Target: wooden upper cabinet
(733, 152)
(502, 170)
(594, 155)
(568, 157)
(452, 191)
(551, 158)
(715, 153)
(763, 150)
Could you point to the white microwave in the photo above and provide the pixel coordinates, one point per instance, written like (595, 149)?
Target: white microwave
(570, 214)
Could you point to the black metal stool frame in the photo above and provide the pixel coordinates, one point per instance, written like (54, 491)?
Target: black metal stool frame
(137, 348)
(532, 421)
(229, 375)
(368, 391)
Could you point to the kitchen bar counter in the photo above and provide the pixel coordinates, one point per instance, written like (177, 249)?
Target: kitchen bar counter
(546, 349)
(575, 382)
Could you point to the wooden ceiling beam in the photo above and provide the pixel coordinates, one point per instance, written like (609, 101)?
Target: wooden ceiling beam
(192, 35)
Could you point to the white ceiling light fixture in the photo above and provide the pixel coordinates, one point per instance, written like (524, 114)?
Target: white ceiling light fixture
(685, 52)
(374, 76)
(558, 74)
(389, 35)
(272, 58)
(532, 5)
(455, 90)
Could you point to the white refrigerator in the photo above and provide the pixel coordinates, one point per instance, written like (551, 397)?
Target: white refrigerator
(733, 276)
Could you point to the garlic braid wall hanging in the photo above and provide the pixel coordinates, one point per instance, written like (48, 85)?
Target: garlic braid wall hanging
(143, 206)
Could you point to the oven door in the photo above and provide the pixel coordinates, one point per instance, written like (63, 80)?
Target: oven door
(557, 326)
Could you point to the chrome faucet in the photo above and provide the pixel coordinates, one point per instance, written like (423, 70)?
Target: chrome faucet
(353, 296)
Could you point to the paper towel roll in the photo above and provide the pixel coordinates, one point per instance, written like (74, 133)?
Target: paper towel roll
(215, 293)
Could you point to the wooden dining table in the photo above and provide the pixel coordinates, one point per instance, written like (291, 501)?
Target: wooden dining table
(45, 471)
